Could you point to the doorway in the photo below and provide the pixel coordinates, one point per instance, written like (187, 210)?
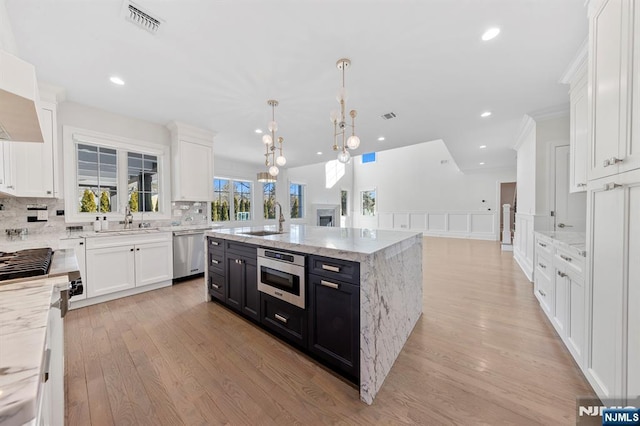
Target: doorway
(507, 196)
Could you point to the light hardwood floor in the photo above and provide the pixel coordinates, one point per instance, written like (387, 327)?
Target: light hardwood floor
(482, 353)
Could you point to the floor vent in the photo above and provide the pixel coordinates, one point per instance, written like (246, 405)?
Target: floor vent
(141, 18)
(389, 115)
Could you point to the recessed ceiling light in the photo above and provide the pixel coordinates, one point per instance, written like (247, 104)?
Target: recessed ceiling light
(490, 34)
(116, 80)
(485, 114)
(258, 131)
(381, 138)
(483, 146)
(482, 163)
(319, 153)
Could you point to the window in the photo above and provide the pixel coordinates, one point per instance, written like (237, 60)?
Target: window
(369, 157)
(220, 204)
(142, 182)
(242, 200)
(368, 202)
(97, 178)
(269, 200)
(296, 200)
(224, 190)
(109, 173)
(343, 202)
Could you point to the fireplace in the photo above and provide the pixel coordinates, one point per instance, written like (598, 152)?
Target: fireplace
(327, 215)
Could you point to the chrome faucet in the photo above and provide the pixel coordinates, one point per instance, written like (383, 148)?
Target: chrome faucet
(280, 219)
(128, 218)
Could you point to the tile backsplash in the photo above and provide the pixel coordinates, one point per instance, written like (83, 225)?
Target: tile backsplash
(189, 213)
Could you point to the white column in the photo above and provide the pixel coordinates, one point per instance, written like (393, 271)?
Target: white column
(506, 224)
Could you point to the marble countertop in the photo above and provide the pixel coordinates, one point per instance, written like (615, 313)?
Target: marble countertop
(348, 243)
(574, 241)
(24, 311)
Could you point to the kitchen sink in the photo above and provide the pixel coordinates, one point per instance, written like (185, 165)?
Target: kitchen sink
(262, 233)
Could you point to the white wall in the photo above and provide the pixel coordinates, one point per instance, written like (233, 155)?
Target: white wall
(526, 173)
(7, 42)
(314, 177)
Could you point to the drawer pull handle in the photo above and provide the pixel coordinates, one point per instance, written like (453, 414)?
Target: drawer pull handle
(215, 262)
(582, 185)
(330, 284)
(330, 268)
(610, 186)
(561, 274)
(542, 244)
(216, 286)
(542, 265)
(567, 258)
(611, 161)
(542, 293)
(281, 318)
(214, 243)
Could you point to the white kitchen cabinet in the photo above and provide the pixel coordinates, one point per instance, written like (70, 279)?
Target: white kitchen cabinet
(611, 150)
(29, 168)
(117, 264)
(542, 277)
(153, 263)
(579, 131)
(192, 163)
(110, 269)
(613, 285)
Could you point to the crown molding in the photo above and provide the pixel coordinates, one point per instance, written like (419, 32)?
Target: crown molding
(187, 130)
(527, 125)
(51, 93)
(576, 65)
(556, 111)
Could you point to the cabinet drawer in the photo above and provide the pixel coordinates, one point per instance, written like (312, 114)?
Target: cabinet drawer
(335, 269)
(241, 248)
(544, 266)
(284, 319)
(544, 293)
(569, 262)
(216, 286)
(544, 246)
(216, 245)
(216, 263)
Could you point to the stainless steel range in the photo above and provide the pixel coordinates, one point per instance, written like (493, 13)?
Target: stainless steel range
(25, 263)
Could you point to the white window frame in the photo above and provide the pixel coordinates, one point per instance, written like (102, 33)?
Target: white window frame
(232, 213)
(275, 191)
(375, 206)
(72, 136)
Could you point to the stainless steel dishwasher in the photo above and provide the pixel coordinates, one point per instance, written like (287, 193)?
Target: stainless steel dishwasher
(188, 253)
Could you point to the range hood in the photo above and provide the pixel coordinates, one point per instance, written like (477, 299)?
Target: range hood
(19, 100)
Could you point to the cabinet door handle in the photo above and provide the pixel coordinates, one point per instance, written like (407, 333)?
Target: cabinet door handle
(542, 244)
(542, 293)
(281, 318)
(131, 250)
(611, 186)
(564, 225)
(48, 192)
(216, 286)
(561, 274)
(215, 262)
(214, 243)
(567, 258)
(238, 261)
(81, 244)
(543, 266)
(611, 161)
(581, 185)
(330, 268)
(137, 249)
(329, 284)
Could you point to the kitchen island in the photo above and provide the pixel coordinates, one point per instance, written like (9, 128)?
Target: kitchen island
(389, 280)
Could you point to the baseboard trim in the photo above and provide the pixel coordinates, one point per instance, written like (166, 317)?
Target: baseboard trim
(81, 303)
(522, 262)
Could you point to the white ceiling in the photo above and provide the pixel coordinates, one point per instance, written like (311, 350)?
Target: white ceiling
(214, 64)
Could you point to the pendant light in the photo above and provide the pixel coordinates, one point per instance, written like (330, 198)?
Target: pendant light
(338, 118)
(272, 162)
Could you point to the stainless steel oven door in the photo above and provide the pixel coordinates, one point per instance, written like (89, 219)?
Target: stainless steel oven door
(282, 280)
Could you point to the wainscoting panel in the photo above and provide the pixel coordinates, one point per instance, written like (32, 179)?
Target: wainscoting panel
(479, 225)
(523, 243)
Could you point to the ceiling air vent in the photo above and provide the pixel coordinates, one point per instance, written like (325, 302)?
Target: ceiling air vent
(389, 115)
(141, 18)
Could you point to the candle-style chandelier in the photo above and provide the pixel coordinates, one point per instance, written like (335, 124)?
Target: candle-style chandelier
(339, 120)
(272, 162)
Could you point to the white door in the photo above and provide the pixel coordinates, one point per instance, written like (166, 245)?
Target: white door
(154, 263)
(570, 209)
(575, 322)
(560, 293)
(109, 270)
